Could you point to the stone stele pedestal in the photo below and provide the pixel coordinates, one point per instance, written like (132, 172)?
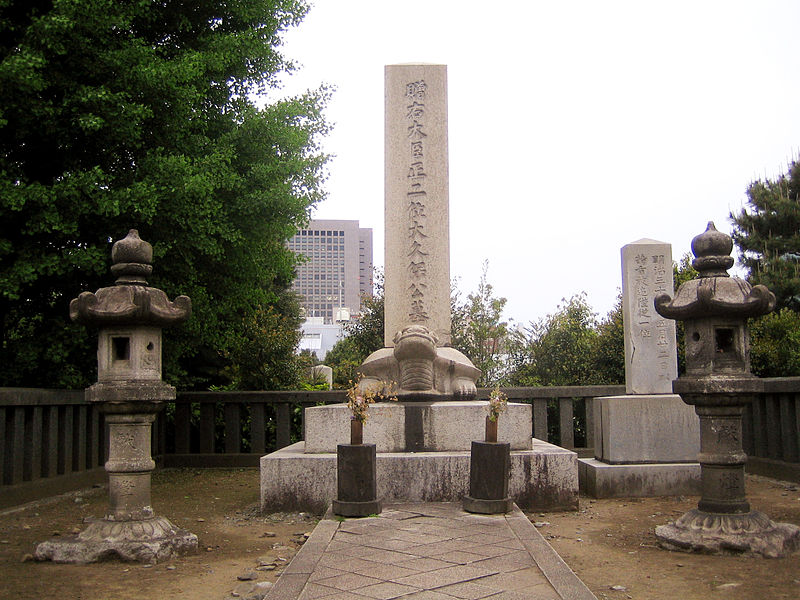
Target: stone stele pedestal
(646, 442)
(130, 392)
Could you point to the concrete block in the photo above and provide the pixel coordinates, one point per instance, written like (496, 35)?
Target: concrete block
(601, 480)
(417, 426)
(658, 428)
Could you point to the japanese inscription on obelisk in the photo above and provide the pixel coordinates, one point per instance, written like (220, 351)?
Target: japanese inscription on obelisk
(417, 252)
(417, 353)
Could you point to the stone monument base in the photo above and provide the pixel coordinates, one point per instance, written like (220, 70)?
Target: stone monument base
(420, 426)
(748, 533)
(645, 428)
(544, 478)
(645, 445)
(147, 541)
(601, 480)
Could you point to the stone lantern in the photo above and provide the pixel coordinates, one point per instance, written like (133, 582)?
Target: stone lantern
(129, 390)
(714, 308)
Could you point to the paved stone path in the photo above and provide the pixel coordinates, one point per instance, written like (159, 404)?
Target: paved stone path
(430, 551)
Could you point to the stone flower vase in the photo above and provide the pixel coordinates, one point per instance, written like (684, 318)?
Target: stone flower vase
(356, 476)
(488, 474)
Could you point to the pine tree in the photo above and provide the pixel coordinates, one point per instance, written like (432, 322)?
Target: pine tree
(767, 232)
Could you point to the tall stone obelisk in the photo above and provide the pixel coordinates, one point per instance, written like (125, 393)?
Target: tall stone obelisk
(417, 353)
(416, 201)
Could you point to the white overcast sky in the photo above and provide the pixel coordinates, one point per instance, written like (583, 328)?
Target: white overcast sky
(574, 127)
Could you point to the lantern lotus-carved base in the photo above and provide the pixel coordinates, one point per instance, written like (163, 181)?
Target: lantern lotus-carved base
(146, 541)
(745, 533)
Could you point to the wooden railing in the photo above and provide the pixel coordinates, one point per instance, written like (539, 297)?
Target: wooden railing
(213, 429)
(235, 428)
(771, 429)
(52, 439)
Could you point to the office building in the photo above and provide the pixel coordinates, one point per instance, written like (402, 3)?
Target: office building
(338, 270)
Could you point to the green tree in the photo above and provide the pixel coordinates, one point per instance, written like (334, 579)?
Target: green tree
(775, 344)
(767, 232)
(120, 114)
(263, 355)
(682, 271)
(477, 330)
(558, 349)
(608, 355)
(363, 336)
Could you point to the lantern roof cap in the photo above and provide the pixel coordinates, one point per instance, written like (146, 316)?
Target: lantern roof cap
(715, 293)
(130, 301)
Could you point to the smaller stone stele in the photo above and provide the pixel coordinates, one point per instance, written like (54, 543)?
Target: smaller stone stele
(422, 370)
(129, 391)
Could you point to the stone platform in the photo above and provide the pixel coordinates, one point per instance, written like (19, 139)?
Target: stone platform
(448, 426)
(601, 480)
(542, 478)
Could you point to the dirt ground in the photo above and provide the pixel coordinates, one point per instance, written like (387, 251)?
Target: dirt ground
(609, 543)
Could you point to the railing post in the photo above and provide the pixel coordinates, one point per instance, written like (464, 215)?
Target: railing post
(233, 428)
(282, 426)
(183, 424)
(258, 437)
(17, 436)
(759, 442)
(565, 422)
(773, 427)
(788, 433)
(94, 437)
(540, 419)
(3, 445)
(79, 446)
(64, 440)
(588, 406)
(796, 422)
(34, 441)
(50, 442)
(208, 412)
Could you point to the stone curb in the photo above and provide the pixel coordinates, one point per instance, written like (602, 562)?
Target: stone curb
(291, 582)
(561, 577)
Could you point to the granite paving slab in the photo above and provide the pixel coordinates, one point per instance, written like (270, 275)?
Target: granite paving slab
(428, 551)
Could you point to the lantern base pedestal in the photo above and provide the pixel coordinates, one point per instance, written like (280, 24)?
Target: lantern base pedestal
(357, 509)
(745, 533)
(487, 507)
(146, 541)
